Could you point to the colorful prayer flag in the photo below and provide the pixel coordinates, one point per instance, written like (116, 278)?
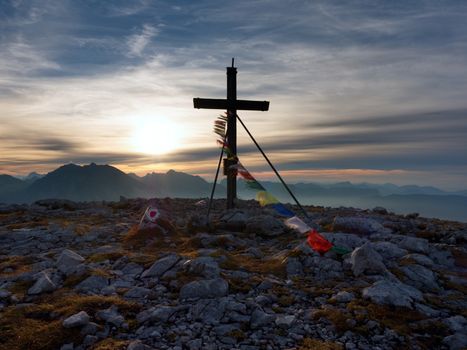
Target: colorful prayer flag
(297, 224)
(265, 198)
(282, 210)
(318, 242)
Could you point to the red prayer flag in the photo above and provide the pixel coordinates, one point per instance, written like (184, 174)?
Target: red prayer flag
(318, 242)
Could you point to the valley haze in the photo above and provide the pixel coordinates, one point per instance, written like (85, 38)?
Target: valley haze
(104, 182)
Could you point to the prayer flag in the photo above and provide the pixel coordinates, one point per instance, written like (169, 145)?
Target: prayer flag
(282, 210)
(297, 224)
(318, 242)
(265, 198)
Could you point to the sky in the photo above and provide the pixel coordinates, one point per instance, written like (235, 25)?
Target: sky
(361, 91)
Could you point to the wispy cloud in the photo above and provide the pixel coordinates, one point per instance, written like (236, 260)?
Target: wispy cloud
(138, 42)
(374, 86)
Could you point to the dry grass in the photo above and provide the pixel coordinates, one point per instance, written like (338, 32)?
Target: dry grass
(273, 266)
(34, 223)
(316, 344)
(39, 326)
(112, 256)
(17, 263)
(111, 344)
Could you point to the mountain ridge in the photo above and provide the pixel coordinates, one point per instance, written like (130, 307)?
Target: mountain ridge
(104, 182)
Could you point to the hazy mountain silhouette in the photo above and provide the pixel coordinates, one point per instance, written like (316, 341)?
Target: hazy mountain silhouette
(104, 182)
(10, 184)
(179, 184)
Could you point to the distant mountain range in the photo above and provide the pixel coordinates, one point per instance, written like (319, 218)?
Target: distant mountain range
(103, 182)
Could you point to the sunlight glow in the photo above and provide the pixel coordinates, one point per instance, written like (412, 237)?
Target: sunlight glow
(155, 135)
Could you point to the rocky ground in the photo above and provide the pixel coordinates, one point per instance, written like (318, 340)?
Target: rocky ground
(85, 276)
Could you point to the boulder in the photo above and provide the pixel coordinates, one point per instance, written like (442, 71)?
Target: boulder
(358, 225)
(457, 341)
(161, 266)
(156, 314)
(77, 320)
(293, 267)
(388, 250)
(285, 321)
(265, 225)
(137, 293)
(392, 293)
(365, 260)
(212, 288)
(233, 220)
(343, 297)
(209, 311)
(414, 244)
(205, 266)
(111, 316)
(93, 284)
(456, 323)
(68, 261)
(43, 284)
(420, 277)
(345, 240)
(260, 318)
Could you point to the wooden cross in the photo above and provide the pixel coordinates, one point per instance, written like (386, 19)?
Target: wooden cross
(231, 104)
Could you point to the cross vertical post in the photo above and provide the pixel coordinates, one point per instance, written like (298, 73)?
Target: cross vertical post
(231, 105)
(231, 133)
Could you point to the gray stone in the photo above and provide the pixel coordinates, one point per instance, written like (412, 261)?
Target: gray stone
(419, 245)
(208, 311)
(365, 260)
(225, 329)
(195, 344)
(456, 323)
(294, 267)
(345, 240)
(68, 346)
(285, 321)
(90, 328)
(392, 293)
(137, 293)
(233, 220)
(265, 225)
(161, 266)
(68, 261)
(212, 288)
(388, 250)
(260, 318)
(138, 345)
(205, 266)
(4, 294)
(359, 225)
(344, 297)
(156, 314)
(132, 269)
(89, 340)
(457, 341)
(42, 285)
(93, 283)
(420, 277)
(419, 259)
(111, 316)
(77, 320)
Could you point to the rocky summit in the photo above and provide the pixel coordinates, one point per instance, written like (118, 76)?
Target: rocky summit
(90, 276)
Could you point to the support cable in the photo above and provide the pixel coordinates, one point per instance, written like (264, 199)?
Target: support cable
(215, 182)
(274, 169)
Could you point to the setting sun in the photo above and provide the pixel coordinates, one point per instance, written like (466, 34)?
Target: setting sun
(155, 135)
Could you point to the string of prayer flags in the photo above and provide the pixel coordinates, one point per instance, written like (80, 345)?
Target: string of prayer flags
(317, 242)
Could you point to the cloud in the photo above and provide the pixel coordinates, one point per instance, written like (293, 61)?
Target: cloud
(138, 42)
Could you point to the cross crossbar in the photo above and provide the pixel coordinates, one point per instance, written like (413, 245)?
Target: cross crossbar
(214, 103)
